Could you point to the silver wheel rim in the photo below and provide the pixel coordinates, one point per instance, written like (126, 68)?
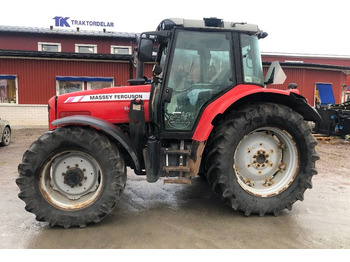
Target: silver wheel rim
(266, 161)
(6, 136)
(71, 180)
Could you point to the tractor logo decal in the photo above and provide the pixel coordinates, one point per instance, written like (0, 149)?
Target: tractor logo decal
(108, 97)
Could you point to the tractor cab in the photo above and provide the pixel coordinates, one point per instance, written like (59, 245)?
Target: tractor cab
(197, 62)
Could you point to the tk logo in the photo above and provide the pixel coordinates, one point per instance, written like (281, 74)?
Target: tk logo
(61, 21)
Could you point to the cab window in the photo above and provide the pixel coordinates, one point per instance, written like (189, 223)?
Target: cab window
(251, 59)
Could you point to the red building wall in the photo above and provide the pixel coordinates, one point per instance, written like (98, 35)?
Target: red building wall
(37, 78)
(307, 79)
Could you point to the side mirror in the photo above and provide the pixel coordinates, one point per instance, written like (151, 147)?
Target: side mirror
(157, 70)
(275, 74)
(145, 50)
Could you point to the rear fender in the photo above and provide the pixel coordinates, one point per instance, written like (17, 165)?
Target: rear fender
(244, 94)
(106, 127)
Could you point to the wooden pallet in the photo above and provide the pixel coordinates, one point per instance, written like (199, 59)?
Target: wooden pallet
(334, 140)
(321, 137)
(329, 138)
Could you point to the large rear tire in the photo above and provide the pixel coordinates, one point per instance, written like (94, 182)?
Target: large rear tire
(261, 159)
(71, 176)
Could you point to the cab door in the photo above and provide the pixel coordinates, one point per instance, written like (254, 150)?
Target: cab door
(199, 70)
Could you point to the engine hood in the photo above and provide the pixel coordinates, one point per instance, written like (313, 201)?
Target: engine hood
(111, 104)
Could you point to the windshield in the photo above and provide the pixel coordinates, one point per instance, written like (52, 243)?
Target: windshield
(252, 66)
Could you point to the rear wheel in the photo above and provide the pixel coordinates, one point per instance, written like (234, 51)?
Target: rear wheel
(71, 176)
(261, 159)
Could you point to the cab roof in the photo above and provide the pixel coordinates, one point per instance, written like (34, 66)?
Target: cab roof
(212, 22)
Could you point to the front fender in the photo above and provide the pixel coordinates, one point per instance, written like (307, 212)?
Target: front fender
(106, 127)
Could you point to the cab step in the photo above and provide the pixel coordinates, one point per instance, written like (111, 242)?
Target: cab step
(168, 169)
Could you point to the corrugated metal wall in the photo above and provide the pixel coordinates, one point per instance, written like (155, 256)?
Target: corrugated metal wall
(37, 78)
(307, 79)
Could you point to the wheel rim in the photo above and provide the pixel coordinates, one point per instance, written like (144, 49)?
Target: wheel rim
(71, 180)
(266, 161)
(6, 136)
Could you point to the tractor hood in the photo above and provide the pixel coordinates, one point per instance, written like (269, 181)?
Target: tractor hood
(111, 104)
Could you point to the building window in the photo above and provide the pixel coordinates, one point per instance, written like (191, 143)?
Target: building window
(8, 90)
(121, 50)
(49, 47)
(69, 84)
(86, 49)
(91, 85)
(347, 95)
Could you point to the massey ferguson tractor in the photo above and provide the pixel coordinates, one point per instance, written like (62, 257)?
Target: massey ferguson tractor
(206, 112)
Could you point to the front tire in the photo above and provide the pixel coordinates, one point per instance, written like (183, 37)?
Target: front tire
(261, 159)
(71, 176)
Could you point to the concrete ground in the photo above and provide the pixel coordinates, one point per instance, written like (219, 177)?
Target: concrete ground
(182, 216)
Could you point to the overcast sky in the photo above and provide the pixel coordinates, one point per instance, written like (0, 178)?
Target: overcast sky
(294, 26)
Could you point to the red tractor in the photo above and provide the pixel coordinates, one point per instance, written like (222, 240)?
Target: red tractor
(206, 112)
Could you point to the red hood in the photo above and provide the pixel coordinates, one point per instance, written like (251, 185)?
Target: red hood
(111, 104)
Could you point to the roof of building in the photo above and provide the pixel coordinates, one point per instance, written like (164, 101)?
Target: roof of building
(345, 69)
(63, 55)
(55, 31)
(304, 55)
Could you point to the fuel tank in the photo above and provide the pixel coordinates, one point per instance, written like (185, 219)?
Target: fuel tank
(111, 104)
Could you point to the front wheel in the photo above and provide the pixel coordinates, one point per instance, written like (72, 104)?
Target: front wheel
(261, 159)
(71, 176)
(6, 136)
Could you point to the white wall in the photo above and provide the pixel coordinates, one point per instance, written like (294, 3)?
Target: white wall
(22, 116)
